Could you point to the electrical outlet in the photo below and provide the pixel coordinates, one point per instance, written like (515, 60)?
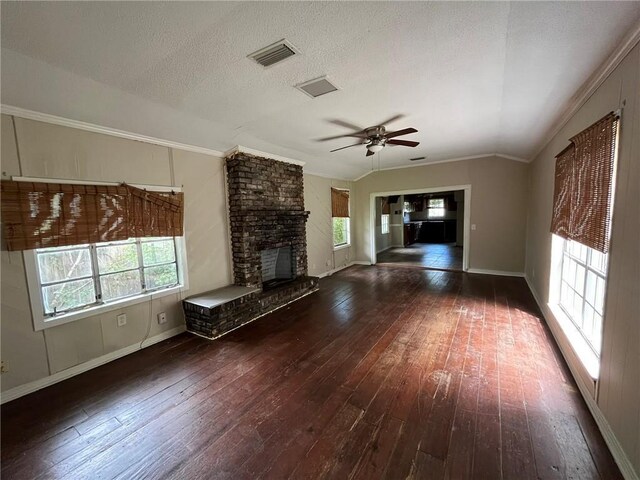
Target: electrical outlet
(3, 367)
(162, 318)
(473, 226)
(122, 319)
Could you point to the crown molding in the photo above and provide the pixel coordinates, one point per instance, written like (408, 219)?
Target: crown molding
(91, 127)
(448, 160)
(596, 79)
(258, 153)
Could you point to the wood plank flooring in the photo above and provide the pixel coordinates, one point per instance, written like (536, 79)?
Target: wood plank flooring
(435, 256)
(384, 373)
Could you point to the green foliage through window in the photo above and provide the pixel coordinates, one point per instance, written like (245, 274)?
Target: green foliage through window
(340, 231)
(85, 275)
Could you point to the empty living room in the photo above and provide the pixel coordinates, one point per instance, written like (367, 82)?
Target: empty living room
(320, 240)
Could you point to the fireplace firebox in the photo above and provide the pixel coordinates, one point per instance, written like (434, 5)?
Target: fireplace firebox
(277, 267)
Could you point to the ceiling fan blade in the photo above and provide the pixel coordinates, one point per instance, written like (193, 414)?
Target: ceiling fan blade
(355, 134)
(369, 153)
(398, 133)
(344, 124)
(406, 143)
(392, 119)
(348, 146)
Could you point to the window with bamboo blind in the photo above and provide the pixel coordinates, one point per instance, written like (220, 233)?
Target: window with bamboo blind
(89, 248)
(340, 217)
(581, 224)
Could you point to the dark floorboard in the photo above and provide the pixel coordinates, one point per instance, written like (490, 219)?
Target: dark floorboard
(384, 373)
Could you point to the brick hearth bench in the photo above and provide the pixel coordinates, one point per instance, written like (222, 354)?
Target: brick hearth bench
(212, 314)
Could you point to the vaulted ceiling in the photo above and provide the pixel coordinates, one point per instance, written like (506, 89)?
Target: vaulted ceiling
(473, 77)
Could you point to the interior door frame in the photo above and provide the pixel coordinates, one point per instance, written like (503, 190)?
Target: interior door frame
(466, 238)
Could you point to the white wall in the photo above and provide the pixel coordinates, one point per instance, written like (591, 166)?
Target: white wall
(317, 199)
(618, 394)
(498, 206)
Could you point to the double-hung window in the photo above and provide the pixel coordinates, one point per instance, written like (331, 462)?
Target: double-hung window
(340, 218)
(582, 287)
(436, 208)
(67, 283)
(384, 223)
(581, 226)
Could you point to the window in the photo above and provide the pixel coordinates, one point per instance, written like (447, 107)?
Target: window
(340, 217)
(582, 287)
(340, 231)
(71, 281)
(384, 222)
(436, 208)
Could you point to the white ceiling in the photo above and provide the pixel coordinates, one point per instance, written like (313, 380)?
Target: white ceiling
(473, 77)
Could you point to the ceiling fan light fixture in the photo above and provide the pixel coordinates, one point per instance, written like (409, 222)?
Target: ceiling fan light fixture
(375, 147)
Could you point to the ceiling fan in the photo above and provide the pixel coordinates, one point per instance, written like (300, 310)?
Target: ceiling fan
(374, 138)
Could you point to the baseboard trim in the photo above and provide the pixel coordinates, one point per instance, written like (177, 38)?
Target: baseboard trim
(360, 262)
(335, 270)
(620, 457)
(384, 249)
(41, 383)
(502, 273)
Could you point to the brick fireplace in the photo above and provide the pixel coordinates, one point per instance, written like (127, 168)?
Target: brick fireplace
(268, 244)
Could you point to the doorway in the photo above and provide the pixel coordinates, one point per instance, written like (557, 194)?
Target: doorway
(426, 228)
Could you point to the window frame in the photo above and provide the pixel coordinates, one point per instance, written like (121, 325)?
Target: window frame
(42, 321)
(567, 255)
(430, 208)
(347, 244)
(383, 223)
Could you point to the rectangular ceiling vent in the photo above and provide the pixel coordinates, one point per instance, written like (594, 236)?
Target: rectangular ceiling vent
(275, 53)
(319, 86)
(417, 159)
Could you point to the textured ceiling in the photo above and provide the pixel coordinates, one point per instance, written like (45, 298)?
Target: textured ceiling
(473, 77)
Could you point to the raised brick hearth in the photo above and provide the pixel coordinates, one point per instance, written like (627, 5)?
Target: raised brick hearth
(266, 211)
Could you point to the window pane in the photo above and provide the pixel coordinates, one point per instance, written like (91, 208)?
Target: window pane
(68, 295)
(340, 231)
(154, 253)
(122, 284)
(117, 257)
(161, 276)
(64, 265)
(590, 289)
(436, 212)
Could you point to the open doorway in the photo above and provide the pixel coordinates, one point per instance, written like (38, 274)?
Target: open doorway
(425, 229)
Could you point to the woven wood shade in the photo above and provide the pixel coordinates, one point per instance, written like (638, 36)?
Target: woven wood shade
(386, 208)
(583, 185)
(339, 203)
(39, 215)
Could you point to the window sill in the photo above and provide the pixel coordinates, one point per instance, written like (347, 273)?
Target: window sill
(581, 348)
(42, 323)
(341, 247)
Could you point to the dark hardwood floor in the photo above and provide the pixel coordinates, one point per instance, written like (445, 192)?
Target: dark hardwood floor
(383, 373)
(438, 256)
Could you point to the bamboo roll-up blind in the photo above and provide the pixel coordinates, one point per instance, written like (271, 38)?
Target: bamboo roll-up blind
(339, 203)
(584, 185)
(155, 214)
(561, 216)
(39, 215)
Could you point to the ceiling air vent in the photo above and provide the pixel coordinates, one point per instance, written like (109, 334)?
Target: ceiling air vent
(273, 54)
(319, 86)
(417, 159)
